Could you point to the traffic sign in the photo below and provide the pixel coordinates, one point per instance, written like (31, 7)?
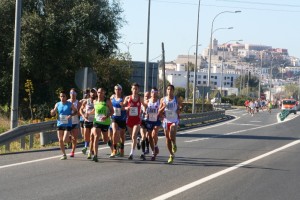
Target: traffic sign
(85, 78)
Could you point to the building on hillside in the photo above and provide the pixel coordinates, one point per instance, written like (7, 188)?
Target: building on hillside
(185, 59)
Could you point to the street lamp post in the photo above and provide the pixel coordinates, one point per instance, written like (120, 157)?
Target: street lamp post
(188, 75)
(129, 45)
(196, 62)
(16, 67)
(270, 81)
(210, 41)
(259, 78)
(208, 71)
(147, 50)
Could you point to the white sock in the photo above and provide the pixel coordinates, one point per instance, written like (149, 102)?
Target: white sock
(132, 152)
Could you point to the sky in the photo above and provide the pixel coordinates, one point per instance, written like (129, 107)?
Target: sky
(174, 22)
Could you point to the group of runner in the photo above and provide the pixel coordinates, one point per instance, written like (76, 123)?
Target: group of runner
(98, 115)
(253, 106)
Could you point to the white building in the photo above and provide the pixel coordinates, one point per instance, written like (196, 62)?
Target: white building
(226, 79)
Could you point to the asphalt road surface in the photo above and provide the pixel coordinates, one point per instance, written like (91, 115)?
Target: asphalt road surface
(245, 158)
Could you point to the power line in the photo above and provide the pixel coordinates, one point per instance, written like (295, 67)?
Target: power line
(238, 7)
(260, 3)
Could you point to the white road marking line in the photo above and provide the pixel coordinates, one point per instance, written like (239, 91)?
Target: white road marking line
(220, 173)
(244, 124)
(230, 133)
(43, 159)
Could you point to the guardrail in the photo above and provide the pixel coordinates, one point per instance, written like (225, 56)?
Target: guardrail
(46, 131)
(225, 106)
(283, 114)
(21, 132)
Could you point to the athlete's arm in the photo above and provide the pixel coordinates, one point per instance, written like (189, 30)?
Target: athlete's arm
(125, 103)
(74, 111)
(144, 102)
(53, 111)
(78, 107)
(110, 107)
(81, 111)
(162, 106)
(179, 102)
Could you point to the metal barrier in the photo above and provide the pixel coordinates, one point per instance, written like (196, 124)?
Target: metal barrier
(21, 132)
(283, 114)
(190, 119)
(225, 106)
(47, 130)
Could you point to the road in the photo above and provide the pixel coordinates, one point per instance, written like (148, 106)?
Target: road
(242, 159)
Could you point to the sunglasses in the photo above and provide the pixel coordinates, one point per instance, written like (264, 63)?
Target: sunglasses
(62, 96)
(73, 93)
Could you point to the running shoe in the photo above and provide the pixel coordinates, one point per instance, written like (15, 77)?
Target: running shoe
(174, 148)
(171, 159)
(89, 156)
(142, 157)
(113, 154)
(84, 150)
(72, 154)
(68, 145)
(64, 157)
(156, 150)
(95, 158)
(138, 144)
(122, 153)
(130, 157)
(153, 158)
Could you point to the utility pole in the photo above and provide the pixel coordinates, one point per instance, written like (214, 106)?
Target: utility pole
(147, 53)
(259, 78)
(248, 83)
(16, 67)
(163, 69)
(196, 63)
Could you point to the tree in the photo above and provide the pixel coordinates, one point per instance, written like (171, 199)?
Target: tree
(180, 92)
(6, 51)
(57, 39)
(250, 87)
(291, 90)
(160, 86)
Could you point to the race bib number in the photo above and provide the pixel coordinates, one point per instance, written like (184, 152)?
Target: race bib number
(152, 117)
(91, 118)
(99, 118)
(133, 111)
(117, 111)
(170, 114)
(63, 119)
